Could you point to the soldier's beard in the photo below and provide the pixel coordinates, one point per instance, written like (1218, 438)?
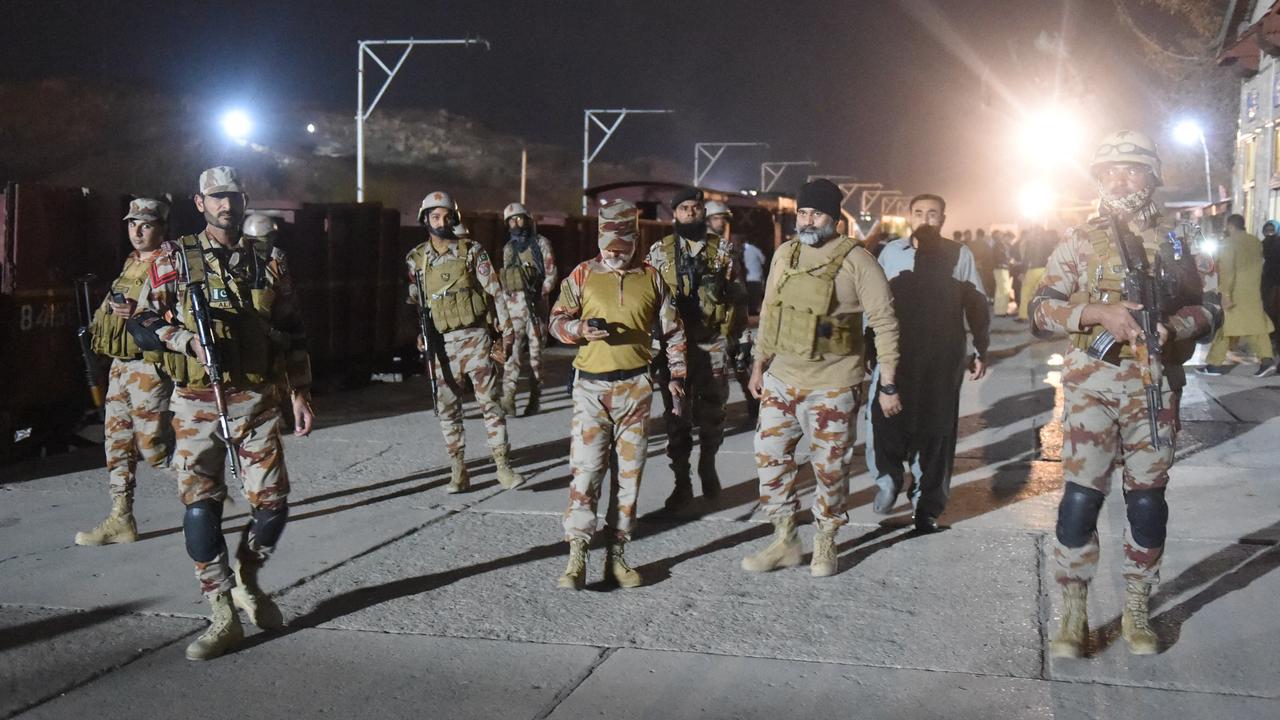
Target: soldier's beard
(811, 236)
(444, 232)
(692, 231)
(616, 263)
(521, 233)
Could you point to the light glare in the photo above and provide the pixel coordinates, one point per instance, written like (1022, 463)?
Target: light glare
(237, 125)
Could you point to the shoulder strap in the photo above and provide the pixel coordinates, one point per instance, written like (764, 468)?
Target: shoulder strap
(193, 258)
(833, 265)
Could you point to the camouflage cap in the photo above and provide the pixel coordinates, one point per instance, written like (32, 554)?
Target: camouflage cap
(221, 179)
(715, 207)
(148, 210)
(619, 226)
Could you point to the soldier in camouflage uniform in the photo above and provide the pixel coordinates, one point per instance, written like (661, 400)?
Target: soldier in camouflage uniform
(137, 402)
(720, 222)
(260, 342)
(1105, 420)
(698, 267)
(464, 299)
(808, 372)
(608, 308)
(528, 277)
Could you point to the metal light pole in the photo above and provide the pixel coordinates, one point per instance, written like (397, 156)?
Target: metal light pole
(1208, 182)
(774, 171)
(700, 150)
(365, 48)
(1188, 132)
(588, 117)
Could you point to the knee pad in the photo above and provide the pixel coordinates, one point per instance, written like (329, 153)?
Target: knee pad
(1078, 514)
(202, 528)
(1148, 516)
(267, 525)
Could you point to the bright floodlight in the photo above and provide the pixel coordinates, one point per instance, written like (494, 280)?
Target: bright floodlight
(1050, 137)
(311, 127)
(1036, 200)
(236, 124)
(1187, 132)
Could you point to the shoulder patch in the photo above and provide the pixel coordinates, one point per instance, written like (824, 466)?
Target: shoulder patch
(164, 268)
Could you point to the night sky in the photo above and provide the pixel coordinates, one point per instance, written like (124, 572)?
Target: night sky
(873, 89)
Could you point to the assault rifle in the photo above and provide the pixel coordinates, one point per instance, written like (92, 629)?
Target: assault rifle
(429, 339)
(1140, 286)
(84, 335)
(213, 368)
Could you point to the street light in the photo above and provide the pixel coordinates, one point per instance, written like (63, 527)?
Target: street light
(237, 125)
(1187, 132)
(1036, 200)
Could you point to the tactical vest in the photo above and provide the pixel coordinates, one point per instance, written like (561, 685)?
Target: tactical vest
(629, 303)
(524, 273)
(240, 314)
(110, 337)
(454, 297)
(1104, 276)
(706, 306)
(797, 322)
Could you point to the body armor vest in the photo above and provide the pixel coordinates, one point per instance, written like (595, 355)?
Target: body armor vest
(454, 297)
(629, 303)
(240, 303)
(797, 322)
(1178, 281)
(700, 288)
(523, 271)
(110, 337)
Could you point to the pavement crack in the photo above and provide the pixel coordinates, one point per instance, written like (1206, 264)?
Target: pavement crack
(1042, 602)
(574, 683)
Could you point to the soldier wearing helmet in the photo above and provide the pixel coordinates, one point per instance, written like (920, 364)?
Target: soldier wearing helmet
(699, 267)
(528, 277)
(720, 222)
(136, 424)
(1083, 295)
(453, 277)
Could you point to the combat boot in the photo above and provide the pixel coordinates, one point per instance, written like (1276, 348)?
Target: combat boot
(682, 495)
(783, 552)
(459, 480)
(249, 597)
(824, 553)
(707, 474)
(616, 568)
(224, 634)
(507, 476)
(575, 573)
(508, 403)
(1135, 623)
(1073, 634)
(535, 395)
(119, 527)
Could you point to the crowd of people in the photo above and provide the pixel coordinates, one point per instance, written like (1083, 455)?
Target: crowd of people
(207, 328)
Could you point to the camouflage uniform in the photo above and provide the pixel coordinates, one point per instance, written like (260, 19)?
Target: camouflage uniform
(709, 364)
(252, 379)
(1105, 418)
(612, 391)
(137, 401)
(467, 349)
(527, 311)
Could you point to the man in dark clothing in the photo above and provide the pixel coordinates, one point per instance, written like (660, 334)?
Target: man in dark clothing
(937, 292)
(983, 250)
(1271, 281)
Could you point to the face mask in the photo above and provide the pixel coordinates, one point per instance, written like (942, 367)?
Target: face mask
(521, 233)
(615, 263)
(1125, 204)
(695, 230)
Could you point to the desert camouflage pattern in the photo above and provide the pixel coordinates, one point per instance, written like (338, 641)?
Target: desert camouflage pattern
(1105, 420)
(137, 421)
(787, 414)
(468, 351)
(1100, 431)
(199, 457)
(528, 316)
(148, 210)
(607, 415)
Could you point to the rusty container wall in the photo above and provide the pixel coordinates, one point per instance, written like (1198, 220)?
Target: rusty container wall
(51, 237)
(387, 281)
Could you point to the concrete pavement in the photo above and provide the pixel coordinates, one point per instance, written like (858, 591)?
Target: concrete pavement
(404, 601)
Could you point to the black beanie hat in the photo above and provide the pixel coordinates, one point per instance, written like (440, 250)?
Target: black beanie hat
(684, 195)
(821, 194)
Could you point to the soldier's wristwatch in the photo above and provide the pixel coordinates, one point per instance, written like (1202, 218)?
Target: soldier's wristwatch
(889, 389)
